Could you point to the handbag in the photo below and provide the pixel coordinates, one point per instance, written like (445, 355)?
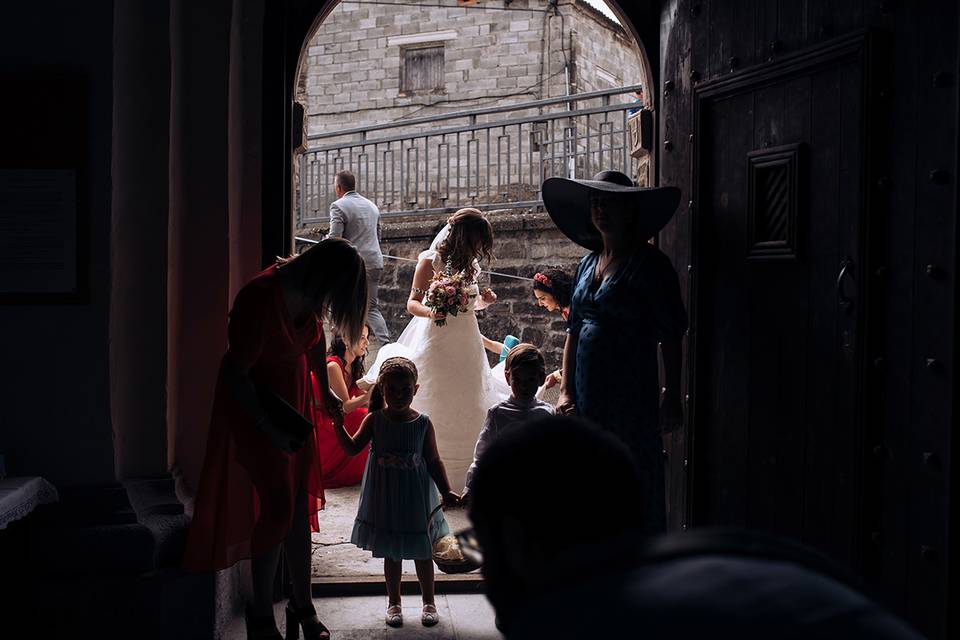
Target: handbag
(447, 554)
(284, 418)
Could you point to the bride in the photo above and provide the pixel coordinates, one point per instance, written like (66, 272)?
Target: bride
(457, 385)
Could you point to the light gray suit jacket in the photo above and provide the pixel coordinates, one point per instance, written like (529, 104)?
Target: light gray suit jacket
(355, 218)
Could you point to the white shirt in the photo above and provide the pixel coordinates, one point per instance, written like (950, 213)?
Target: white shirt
(503, 417)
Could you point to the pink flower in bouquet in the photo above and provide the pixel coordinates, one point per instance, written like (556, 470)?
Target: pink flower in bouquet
(447, 294)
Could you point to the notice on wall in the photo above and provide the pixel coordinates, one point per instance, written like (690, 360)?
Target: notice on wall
(38, 232)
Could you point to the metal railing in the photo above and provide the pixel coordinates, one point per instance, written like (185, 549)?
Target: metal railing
(488, 158)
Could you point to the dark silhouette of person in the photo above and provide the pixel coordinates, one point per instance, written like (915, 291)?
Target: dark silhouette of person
(258, 478)
(625, 304)
(568, 558)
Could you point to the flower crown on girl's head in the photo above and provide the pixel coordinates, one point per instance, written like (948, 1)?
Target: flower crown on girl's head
(544, 280)
(397, 364)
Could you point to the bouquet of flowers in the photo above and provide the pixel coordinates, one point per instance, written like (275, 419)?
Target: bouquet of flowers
(447, 294)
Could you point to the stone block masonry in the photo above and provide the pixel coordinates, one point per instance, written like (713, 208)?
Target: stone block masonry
(524, 242)
(515, 44)
(357, 74)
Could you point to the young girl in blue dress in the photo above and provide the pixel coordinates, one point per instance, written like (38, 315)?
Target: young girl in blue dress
(400, 486)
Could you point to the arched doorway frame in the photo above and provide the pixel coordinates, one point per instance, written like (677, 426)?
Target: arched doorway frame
(288, 27)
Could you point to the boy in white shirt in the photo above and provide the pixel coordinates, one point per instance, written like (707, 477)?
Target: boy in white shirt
(525, 371)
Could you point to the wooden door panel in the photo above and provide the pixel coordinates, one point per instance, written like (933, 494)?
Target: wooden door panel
(776, 441)
(831, 490)
(725, 312)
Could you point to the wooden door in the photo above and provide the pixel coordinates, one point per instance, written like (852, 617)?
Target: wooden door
(779, 295)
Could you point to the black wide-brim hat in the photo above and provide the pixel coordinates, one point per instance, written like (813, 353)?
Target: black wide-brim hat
(568, 203)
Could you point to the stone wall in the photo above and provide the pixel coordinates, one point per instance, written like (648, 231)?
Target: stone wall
(600, 48)
(351, 76)
(524, 243)
(351, 73)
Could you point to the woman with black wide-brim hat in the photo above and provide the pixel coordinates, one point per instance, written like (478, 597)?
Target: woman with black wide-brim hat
(626, 300)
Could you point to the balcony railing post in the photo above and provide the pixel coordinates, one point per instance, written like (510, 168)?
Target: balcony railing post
(624, 142)
(553, 142)
(302, 185)
(487, 173)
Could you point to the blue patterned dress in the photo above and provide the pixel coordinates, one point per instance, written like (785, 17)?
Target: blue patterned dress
(397, 494)
(619, 324)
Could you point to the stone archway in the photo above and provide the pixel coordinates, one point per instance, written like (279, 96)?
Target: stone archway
(529, 240)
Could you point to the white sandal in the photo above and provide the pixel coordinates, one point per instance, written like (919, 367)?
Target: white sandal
(429, 615)
(394, 616)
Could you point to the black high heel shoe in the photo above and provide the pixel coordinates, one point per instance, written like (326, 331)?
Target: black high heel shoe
(261, 628)
(306, 619)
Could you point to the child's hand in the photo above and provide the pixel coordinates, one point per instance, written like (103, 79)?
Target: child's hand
(552, 380)
(465, 498)
(451, 499)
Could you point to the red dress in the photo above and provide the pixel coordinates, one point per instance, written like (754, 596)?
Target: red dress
(339, 469)
(245, 500)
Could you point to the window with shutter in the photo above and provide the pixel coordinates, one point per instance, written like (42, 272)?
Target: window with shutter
(422, 69)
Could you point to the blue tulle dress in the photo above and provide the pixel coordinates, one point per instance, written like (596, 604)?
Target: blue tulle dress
(398, 494)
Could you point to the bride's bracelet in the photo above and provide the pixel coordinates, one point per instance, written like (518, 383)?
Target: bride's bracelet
(417, 290)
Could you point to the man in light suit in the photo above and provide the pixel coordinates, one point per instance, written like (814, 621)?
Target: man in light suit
(356, 219)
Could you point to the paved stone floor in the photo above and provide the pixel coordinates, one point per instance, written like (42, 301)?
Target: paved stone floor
(333, 554)
(462, 617)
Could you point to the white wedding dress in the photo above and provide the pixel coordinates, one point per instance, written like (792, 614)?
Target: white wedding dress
(457, 385)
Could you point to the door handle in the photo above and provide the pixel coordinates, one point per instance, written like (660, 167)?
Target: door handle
(846, 273)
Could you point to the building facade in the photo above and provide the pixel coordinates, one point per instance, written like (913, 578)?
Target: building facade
(374, 64)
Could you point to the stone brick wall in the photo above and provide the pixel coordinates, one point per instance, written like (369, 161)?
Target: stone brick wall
(524, 243)
(352, 76)
(352, 67)
(600, 49)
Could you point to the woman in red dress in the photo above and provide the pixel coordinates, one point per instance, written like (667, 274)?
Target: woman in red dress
(256, 482)
(344, 370)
